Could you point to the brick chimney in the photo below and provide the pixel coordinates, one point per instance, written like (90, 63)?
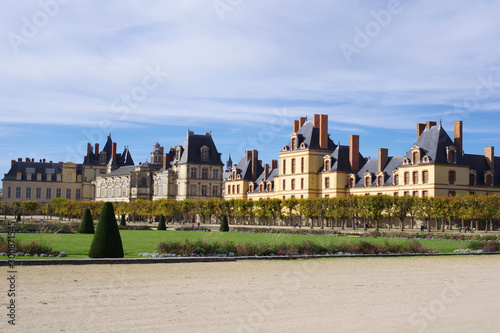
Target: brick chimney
(162, 149)
(354, 153)
(12, 163)
(323, 131)
(302, 120)
(489, 153)
(44, 160)
(383, 155)
(274, 164)
(97, 149)
(89, 151)
(429, 124)
(255, 160)
(296, 126)
(458, 135)
(166, 161)
(266, 171)
(113, 153)
(20, 159)
(316, 120)
(248, 154)
(420, 129)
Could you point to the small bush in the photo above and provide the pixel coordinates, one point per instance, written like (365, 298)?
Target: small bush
(161, 224)
(107, 242)
(122, 220)
(87, 225)
(224, 225)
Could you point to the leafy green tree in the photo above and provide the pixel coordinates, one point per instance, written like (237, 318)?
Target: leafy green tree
(161, 224)
(30, 206)
(6, 209)
(87, 224)
(224, 225)
(107, 242)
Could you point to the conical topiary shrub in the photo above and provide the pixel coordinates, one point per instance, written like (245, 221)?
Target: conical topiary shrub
(161, 224)
(87, 224)
(122, 220)
(224, 226)
(107, 242)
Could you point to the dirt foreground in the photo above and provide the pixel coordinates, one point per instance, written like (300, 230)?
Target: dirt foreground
(436, 294)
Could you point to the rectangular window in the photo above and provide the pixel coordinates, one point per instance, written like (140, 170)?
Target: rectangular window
(38, 193)
(215, 191)
(39, 176)
(204, 190)
(228, 189)
(193, 190)
(284, 167)
(237, 189)
(58, 192)
(293, 165)
(425, 193)
(193, 173)
(59, 176)
(301, 183)
(415, 193)
(68, 177)
(68, 193)
(425, 176)
(18, 192)
(215, 174)
(19, 176)
(204, 173)
(415, 177)
(396, 179)
(9, 190)
(452, 177)
(302, 165)
(49, 177)
(234, 189)
(293, 184)
(48, 193)
(28, 176)
(78, 194)
(28, 192)
(407, 193)
(407, 178)
(284, 184)
(396, 194)
(327, 182)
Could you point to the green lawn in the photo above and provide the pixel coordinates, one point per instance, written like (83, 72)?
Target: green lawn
(137, 241)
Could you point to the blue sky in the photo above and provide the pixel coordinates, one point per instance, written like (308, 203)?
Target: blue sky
(74, 71)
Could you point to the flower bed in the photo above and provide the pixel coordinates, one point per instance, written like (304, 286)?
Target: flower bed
(434, 236)
(215, 248)
(27, 248)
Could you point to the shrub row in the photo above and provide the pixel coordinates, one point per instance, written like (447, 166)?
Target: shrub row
(47, 227)
(486, 246)
(205, 247)
(192, 229)
(30, 248)
(443, 236)
(304, 231)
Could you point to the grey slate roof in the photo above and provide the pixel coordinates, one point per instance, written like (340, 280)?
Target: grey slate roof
(244, 168)
(122, 159)
(433, 142)
(270, 178)
(309, 135)
(121, 171)
(191, 150)
(340, 159)
(37, 167)
(371, 166)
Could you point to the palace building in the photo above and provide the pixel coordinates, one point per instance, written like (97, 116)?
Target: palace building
(311, 165)
(43, 181)
(193, 170)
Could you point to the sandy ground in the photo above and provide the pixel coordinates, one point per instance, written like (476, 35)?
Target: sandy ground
(437, 294)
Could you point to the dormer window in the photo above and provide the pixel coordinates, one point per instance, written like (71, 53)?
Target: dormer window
(238, 176)
(269, 186)
(472, 177)
(451, 153)
(488, 178)
(395, 179)
(303, 145)
(103, 157)
(327, 162)
(19, 176)
(426, 159)
(368, 179)
(261, 187)
(250, 188)
(380, 179)
(204, 153)
(352, 180)
(406, 161)
(415, 154)
(285, 148)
